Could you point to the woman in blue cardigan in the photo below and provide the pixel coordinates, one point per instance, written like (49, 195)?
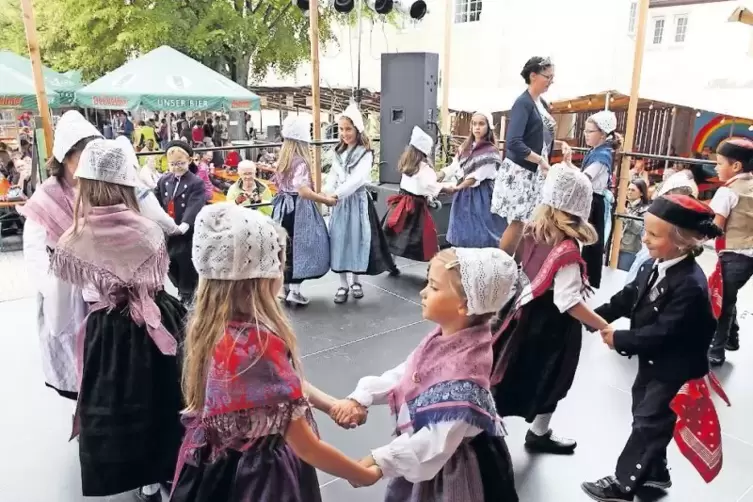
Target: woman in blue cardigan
(529, 141)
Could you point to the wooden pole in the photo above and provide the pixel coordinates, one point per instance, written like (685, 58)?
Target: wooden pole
(640, 43)
(671, 135)
(30, 26)
(446, 53)
(315, 110)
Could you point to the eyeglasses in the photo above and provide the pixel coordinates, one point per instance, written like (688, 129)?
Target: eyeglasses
(177, 164)
(548, 77)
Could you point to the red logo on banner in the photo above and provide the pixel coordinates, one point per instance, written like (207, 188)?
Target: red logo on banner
(109, 101)
(11, 102)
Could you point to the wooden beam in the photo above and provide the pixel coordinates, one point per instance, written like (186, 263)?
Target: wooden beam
(314, 35)
(30, 26)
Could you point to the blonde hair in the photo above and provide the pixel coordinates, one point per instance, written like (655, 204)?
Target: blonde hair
(449, 259)
(289, 150)
(410, 161)
(552, 226)
(218, 302)
(687, 241)
(95, 193)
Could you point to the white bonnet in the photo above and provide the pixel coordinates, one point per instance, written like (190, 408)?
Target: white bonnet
(569, 190)
(296, 128)
(604, 120)
(354, 114)
(71, 128)
(489, 276)
(106, 160)
(233, 243)
(421, 141)
(488, 116)
(133, 160)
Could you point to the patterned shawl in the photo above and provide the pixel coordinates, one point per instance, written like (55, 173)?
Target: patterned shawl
(479, 155)
(447, 379)
(353, 156)
(252, 391)
(123, 255)
(52, 207)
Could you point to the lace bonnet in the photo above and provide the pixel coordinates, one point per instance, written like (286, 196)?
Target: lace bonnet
(489, 276)
(569, 190)
(106, 160)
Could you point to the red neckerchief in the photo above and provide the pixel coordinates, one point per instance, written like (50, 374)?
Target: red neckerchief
(403, 205)
(698, 433)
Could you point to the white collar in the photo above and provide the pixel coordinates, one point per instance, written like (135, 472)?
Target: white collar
(662, 266)
(741, 176)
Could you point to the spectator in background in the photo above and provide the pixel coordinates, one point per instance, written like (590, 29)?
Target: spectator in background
(107, 130)
(632, 230)
(197, 134)
(162, 134)
(125, 126)
(143, 134)
(182, 127)
(209, 129)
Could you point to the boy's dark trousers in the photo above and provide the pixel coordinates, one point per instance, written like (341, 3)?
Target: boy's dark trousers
(645, 454)
(737, 269)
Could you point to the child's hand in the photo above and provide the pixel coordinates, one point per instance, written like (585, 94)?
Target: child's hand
(373, 475)
(607, 335)
(348, 414)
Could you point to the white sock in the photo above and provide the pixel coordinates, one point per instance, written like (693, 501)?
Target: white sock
(344, 281)
(540, 425)
(353, 278)
(295, 288)
(150, 489)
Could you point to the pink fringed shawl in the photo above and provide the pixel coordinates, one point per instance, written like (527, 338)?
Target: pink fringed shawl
(123, 255)
(52, 207)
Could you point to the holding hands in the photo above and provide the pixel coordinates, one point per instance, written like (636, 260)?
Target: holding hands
(348, 413)
(370, 464)
(607, 335)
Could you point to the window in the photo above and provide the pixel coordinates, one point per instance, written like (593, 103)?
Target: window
(681, 28)
(633, 17)
(467, 11)
(658, 30)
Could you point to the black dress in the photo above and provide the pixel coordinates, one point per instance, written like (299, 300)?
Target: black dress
(409, 227)
(593, 255)
(129, 403)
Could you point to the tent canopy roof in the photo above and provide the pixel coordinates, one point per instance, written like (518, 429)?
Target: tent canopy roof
(17, 84)
(166, 80)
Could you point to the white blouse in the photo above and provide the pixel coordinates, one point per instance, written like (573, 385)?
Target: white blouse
(416, 456)
(424, 183)
(343, 184)
(483, 173)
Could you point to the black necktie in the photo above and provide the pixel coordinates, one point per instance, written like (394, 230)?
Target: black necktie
(652, 278)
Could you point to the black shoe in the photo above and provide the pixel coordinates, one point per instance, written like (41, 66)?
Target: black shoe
(394, 272)
(607, 490)
(733, 342)
(659, 480)
(549, 443)
(155, 497)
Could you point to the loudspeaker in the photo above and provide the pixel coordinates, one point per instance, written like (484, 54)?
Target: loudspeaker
(408, 99)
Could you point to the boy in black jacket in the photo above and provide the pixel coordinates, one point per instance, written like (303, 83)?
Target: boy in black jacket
(671, 325)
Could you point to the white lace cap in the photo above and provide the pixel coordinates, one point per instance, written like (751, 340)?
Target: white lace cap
(489, 276)
(71, 128)
(604, 120)
(233, 243)
(488, 116)
(296, 128)
(421, 141)
(354, 114)
(106, 160)
(569, 190)
(133, 160)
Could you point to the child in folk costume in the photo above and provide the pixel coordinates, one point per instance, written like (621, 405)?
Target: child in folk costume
(538, 338)
(601, 137)
(472, 224)
(251, 436)
(181, 194)
(450, 441)
(307, 252)
(671, 325)
(733, 205)
(129, 403)
(357, 242)
(408, 225)
(49, 212)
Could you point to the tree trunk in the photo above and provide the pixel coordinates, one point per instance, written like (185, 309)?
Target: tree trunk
(239, 67)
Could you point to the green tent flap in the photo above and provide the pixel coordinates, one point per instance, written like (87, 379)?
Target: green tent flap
(17, 84)
(166, 80)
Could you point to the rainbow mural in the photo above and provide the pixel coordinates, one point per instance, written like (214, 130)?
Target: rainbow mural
(711, 129)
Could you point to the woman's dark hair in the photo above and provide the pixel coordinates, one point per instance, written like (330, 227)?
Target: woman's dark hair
(57, 169)
(642, 188)
(536, 64)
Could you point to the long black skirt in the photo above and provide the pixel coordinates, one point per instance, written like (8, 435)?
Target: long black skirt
(414, 236)
(538, 354)
(593, 255)
(129, 403)
(479, 471)
(269, 471)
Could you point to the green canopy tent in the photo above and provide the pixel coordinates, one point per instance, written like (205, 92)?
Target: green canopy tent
(17, 84)
(166, 80)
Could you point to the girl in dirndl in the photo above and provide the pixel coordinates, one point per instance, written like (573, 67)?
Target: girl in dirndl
(538, 337)
(251, 436)
(128, 414)
(597, 165)
(450, 443)
(294, 207)
(472, 224)
(357, 242)
(408, 224)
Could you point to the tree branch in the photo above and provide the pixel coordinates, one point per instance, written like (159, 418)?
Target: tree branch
(279, 16)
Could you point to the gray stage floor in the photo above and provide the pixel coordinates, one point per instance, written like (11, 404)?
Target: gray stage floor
(341, 344)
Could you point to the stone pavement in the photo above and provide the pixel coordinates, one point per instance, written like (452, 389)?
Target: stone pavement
(341, 344)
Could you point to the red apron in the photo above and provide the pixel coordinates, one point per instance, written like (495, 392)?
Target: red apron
(402, 205)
